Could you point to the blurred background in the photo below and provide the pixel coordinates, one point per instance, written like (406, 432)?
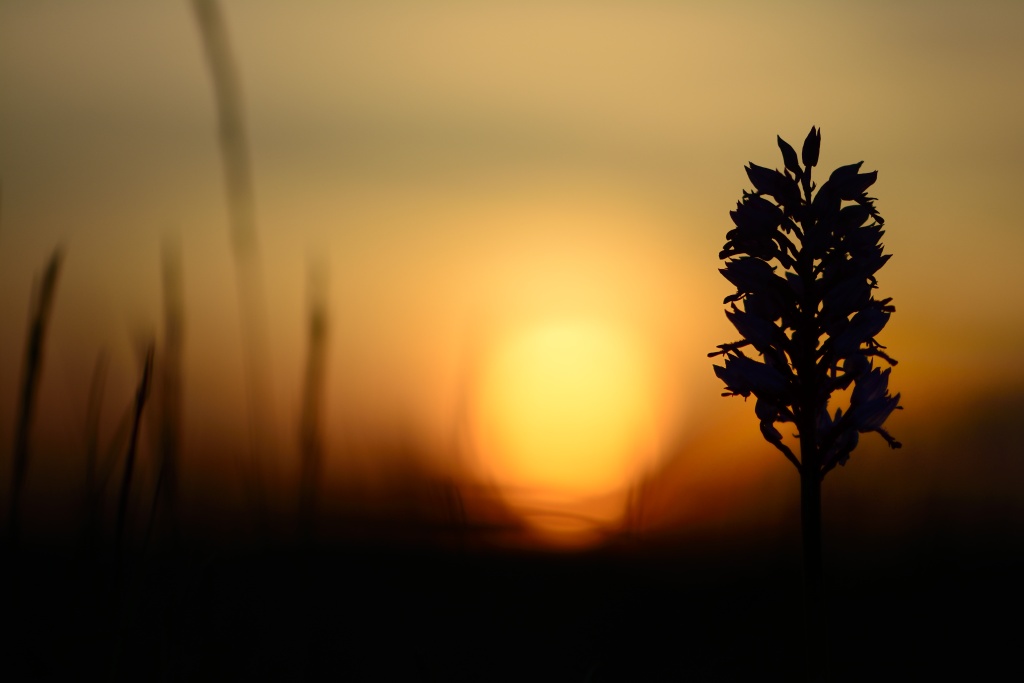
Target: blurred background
(513, 211)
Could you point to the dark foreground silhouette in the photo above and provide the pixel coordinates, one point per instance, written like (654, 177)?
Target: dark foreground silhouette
(803, 260)
(691, 609)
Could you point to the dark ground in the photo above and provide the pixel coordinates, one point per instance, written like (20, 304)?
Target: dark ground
(916, 608)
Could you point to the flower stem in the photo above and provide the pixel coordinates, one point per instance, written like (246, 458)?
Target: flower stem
(815, 623)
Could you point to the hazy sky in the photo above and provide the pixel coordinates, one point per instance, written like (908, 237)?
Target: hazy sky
(470, 172)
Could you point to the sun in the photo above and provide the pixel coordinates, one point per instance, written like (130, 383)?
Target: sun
(564, 415)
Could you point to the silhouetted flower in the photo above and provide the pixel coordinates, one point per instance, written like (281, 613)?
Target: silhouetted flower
(803, 260)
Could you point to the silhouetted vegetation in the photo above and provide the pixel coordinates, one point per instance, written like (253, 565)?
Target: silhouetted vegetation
(141, 395)
(410, 574)
(240, 196)
(803, 260)
(170, 383)
(39, 318)
(314, 384)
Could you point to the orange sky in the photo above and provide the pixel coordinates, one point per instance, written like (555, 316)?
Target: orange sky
(472, 172)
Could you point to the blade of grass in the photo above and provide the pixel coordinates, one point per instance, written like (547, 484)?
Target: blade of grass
(127, 585)
(310, 437)
(242, 212)
(140, 402)
(170, 378)
(118, 441)
(39, 316)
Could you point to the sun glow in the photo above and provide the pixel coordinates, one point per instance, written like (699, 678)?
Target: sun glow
(564, 421)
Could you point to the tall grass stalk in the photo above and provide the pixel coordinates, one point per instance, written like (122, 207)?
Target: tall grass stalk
(39, 316)
(310, 431)
(170, 389)
(242, 212)
(141, 395)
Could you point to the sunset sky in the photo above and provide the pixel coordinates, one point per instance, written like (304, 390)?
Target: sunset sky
(496, 188)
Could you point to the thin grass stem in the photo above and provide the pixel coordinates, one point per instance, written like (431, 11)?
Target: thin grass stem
(242, 213)
(39, 316)
(310, 431)
(170, 384)
(126, 482)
